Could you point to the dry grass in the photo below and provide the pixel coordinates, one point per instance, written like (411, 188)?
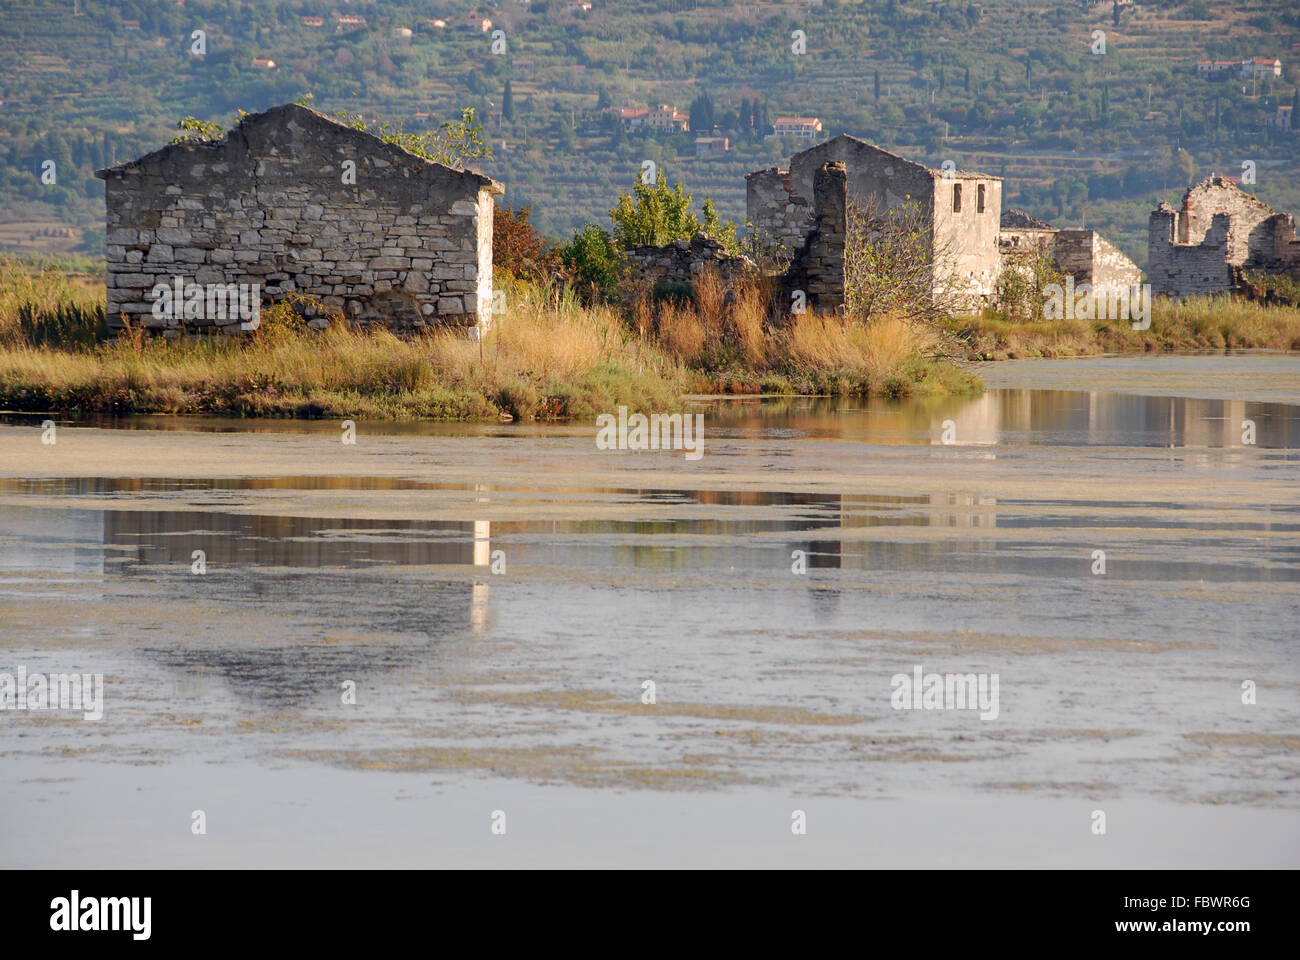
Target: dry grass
(1198, 323)
(548, 357)
(734, 341)
(540, 361)
(44, 289)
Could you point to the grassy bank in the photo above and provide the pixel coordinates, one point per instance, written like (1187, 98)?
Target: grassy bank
(1205, 324)
(548, 358)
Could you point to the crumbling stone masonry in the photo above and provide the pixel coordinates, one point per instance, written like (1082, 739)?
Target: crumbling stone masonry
(1092, 260)
(683, 261)
(970, 239)
(1084, 254)
(815, 272)
(960, 211)
(818, 265)
(1220, 231)
(403, 242)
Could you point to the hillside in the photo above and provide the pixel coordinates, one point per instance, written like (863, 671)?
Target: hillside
(1009, 87)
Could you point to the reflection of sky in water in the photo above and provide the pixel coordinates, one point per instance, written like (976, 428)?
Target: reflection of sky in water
(1103, 677)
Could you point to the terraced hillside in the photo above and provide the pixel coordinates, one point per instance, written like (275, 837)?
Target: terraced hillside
(1017, 88)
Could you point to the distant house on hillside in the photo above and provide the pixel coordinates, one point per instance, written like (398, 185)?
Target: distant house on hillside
(711, 146)
(476, 24)
(633, 118)
(348, 21)
(664, 117)
(403, 242)
(313, 21)
(1257, 68)
(1215, 68)
(130, 24)
(261, 64)
(801, 128)
(1261, 68)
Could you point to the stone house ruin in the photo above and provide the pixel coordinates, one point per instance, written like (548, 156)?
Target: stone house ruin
(1084, 254)
(291, 200)
(969, 234)
(816, 265)
(1220, 231)
(960, 210)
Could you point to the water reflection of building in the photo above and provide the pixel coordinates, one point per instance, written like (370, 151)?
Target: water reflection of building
(1090, 417)
(974, 423)
(324, 575)
(152, 537)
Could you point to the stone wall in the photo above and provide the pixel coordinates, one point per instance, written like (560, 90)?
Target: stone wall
(1220, 229)
(1182, 270)
(683, 262)
(777, 215)
(1092, 260)
(818, 265)
(408, 244)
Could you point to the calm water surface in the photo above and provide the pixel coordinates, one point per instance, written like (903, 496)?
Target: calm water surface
(499, 595)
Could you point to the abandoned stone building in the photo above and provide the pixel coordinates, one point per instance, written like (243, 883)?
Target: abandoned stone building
(816, 258)
(970, 239)
(1219, 232)
(960, 210)
(1084, 254)
(291, 200)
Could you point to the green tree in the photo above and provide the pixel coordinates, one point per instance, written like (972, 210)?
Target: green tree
(593, 261)
(717, 229)
(452, 143)
(653, 215)
(508, 104)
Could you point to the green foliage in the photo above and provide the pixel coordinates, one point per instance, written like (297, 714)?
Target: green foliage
(67, 325)
(197, 131)
(453, 143)
(713, 227)
(592, 259)
(653, 215)
(1019, 294)
(656, 214)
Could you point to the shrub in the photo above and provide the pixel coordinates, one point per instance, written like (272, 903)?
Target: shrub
(592, 262)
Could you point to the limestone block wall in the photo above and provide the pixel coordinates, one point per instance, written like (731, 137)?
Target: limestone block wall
(777, 214)
(1218, 195)
(1186, 269)
(1093, 260)
(401, 241)
(1278, 248)
(684, 261)
(818, 265)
